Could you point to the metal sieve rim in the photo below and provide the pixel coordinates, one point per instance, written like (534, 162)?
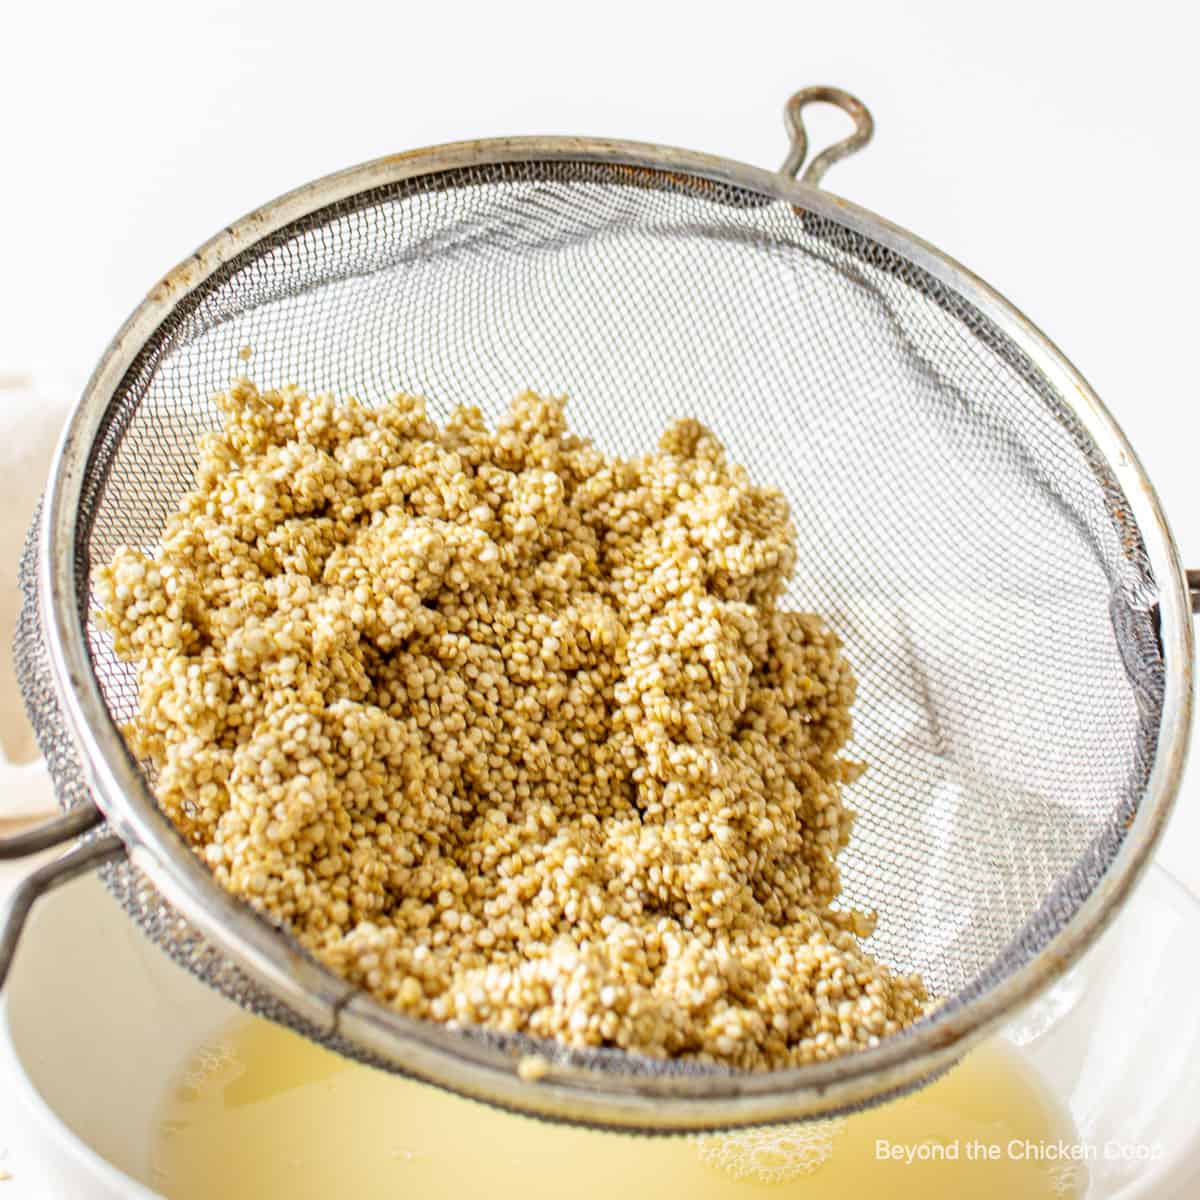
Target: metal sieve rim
(428, 1051)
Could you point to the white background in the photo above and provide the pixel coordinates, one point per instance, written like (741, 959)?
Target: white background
(1053, 148)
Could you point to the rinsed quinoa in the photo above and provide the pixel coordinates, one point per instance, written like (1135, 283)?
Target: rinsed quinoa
(509, 732)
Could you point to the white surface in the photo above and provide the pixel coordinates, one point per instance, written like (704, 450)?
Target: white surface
(1051, 147)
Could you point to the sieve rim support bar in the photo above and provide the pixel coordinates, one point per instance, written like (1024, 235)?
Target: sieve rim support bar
(79, 860)
(71, 824)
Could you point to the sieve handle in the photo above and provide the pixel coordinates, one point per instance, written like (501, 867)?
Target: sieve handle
(61, 829)
(79, 860)
(864, 127)
(1193, 583)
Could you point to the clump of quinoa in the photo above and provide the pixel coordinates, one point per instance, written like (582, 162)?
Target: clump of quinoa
(509, 732)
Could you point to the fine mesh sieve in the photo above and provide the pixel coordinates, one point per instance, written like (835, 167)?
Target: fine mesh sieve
(970, 521)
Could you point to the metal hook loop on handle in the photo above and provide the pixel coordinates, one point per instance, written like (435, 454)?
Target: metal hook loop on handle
(864, 127)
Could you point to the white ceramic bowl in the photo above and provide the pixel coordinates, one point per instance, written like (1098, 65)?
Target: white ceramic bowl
(97, 1021)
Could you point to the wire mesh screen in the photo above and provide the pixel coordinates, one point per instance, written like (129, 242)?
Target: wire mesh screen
(956, 525)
